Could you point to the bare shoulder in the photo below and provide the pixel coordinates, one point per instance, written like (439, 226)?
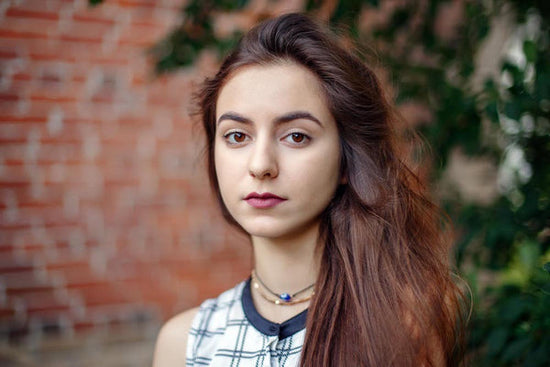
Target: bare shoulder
(171, 343)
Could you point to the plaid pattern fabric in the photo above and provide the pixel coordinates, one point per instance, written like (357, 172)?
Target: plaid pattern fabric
(229, 332)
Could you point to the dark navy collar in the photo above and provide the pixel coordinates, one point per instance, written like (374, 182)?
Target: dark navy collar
(284, 330)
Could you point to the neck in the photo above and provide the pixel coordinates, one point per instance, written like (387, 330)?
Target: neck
(287, 264)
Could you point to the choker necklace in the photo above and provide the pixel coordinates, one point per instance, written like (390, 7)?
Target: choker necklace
(283, 299)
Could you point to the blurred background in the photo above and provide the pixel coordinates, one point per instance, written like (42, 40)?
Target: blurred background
(107, 224)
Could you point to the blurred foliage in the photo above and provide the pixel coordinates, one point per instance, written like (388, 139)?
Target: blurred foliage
(503, 247)
(195, 33)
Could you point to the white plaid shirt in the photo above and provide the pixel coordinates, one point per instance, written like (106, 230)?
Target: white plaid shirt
(229, 332)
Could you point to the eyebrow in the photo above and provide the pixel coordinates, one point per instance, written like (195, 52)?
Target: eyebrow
(287, 117)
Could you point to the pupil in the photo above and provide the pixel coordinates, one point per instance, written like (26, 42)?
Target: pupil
(297, 137)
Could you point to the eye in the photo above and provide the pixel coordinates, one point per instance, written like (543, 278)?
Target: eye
(297, 138)
(235, 137)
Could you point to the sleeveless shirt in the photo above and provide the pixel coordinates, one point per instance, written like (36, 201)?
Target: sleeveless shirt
(228, 331)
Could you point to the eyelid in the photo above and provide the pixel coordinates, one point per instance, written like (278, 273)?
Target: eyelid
(307, 137)
(226, 136)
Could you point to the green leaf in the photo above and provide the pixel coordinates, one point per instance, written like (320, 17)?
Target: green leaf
(529, 254)
(496, 340)
(530, 51)
(513, 110)
(539, 357)
(515, 350)
(513, 309)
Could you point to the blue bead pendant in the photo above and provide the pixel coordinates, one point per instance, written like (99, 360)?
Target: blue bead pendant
(285, 297)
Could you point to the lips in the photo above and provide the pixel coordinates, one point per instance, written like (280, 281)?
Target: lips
(265, 200)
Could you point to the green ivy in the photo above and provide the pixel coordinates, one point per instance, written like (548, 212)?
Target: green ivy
(195, 33)
(514, 331)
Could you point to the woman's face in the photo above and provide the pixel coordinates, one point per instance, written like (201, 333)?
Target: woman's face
(277, 150)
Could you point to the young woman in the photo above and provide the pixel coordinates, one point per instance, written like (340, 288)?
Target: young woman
(350, 266)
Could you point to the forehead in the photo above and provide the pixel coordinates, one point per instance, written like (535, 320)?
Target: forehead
(273, 88)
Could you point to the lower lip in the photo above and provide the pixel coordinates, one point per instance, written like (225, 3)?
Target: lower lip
(266, 203)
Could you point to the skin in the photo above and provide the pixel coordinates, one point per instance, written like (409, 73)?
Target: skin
(274, 134)
(297, 159)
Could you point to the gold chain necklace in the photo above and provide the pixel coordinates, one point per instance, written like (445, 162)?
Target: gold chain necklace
(281, 299)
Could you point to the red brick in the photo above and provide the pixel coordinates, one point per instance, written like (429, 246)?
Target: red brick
(22, 35)
(40, 6)
(141, 35)
(23, 119)
(30, 288)
(86, 17)
(43, 304)
(39, 27)
(64, 95)
(76, 274)
(134, 4)
(44, 108)
(9, 97)
(87, 30)
(21, 89)
(148, 23)
(39, 49)
(46, 216)
(52, 54)
(68, 39)
(6, 249)
(8, 54)
(86, 326)
(20, 132)
(172, 4)
(101, 294)
(12, 49)
(14, 173)
(153, 295)
(27, 240)
(11, 139)
(11, 265)
(41, 250)
(7, 313)
(24, 13)
(47, 152)
(24, 278)
(109, 60)
(21, 76)
(21, 194)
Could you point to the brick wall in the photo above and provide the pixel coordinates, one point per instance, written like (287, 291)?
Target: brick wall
(107, 225)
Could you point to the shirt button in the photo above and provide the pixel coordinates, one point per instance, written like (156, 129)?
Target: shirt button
(274, 329)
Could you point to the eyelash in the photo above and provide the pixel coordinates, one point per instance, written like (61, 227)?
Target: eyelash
(304, 136)
(231, 135)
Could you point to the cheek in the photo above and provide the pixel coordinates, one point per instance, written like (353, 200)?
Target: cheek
(318, 173)
(228, 166)
(220, 165)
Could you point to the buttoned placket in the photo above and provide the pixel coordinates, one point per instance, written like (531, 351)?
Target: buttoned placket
(272, 348)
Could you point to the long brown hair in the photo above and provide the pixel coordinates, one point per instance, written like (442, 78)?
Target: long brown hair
(384, 294)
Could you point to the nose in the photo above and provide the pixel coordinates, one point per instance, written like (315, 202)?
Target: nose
(263, 160)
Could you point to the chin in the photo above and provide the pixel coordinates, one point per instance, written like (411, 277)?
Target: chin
(268, 229)
(272, 233)
(277, 229)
